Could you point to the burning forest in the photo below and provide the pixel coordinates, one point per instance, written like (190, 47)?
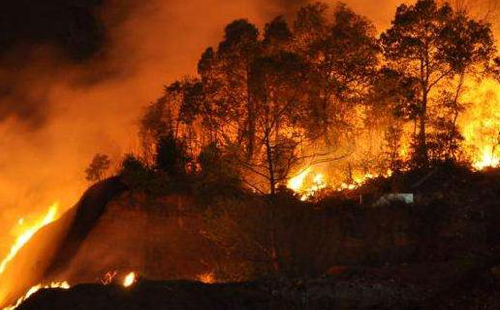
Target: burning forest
(300, 155)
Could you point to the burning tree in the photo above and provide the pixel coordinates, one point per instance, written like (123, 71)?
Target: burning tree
(437, 46)
(300, 96)
(271, 100)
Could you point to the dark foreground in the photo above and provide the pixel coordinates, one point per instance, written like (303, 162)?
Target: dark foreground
(450, 285)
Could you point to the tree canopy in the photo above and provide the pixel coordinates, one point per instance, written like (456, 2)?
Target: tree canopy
(289, 96)
(435, 45)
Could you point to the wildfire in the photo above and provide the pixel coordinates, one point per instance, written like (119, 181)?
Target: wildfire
(480, 125)
(28, 234)
(308, 182)
(129, 279)
(36, 288)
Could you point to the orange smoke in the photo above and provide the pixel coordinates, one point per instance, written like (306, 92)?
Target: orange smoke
(94, 106)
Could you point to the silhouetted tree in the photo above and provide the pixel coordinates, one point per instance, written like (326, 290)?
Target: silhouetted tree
(276, 85)
(343, 55)
(432, 43)
(98, 168)
(229, 108)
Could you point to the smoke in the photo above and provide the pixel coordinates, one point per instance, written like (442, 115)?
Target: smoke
(59, 107)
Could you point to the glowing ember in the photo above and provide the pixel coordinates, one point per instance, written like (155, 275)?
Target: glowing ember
(207, 278)
(108, 277)
(36, 288)
(28, 234)
(129, 279)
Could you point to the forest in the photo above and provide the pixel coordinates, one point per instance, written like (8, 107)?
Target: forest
(313, 163)
(325, 91)
(312, 160)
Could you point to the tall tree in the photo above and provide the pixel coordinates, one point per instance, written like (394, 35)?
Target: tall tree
(434, 44)
(225, 76)
(175, 112)
(343, 52)
(277, 83)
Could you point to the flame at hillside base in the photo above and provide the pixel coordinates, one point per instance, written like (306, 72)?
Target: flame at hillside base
(23, 238)
(129, 279)
(36, 288)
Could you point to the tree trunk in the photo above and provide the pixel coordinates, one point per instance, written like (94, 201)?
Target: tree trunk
(422, 136)
(270, 165)
(422, 156)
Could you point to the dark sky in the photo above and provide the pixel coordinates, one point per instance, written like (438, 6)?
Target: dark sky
(76, 31)
(71, 25)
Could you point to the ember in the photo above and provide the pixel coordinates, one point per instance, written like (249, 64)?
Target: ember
(129, 279)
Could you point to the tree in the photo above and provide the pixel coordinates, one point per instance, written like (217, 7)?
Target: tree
(434, 44)
(98, 168)
(276, 83)
(173, 113)
(343, 55)
(228, 107)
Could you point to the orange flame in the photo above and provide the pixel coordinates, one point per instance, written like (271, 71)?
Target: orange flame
(129, 279)
(36, 288)
(207, 278)
(480, 125)
(28, 234)
(317, 181)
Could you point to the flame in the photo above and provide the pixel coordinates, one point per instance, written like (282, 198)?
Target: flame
(129, 279)
(207, 278)
(108, 277)
(28, 234)
(36, 288)
(306, 189)
(317, 181)
(487, 159)
(480, 124)
(297, 181)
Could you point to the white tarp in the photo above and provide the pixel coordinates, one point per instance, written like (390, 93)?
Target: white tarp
(388, 198)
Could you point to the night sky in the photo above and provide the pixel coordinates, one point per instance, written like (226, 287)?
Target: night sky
(72, 25)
